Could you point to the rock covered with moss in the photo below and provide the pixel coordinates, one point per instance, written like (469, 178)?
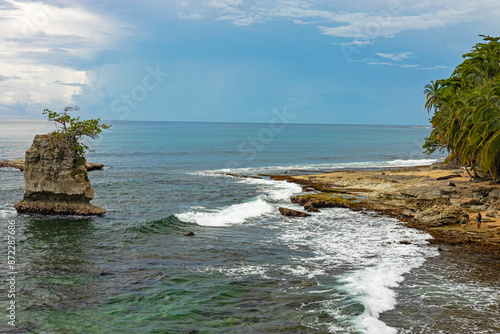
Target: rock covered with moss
(56, 180)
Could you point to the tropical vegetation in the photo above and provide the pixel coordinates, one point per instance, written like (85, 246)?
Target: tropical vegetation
(69, 130)
(466, 106)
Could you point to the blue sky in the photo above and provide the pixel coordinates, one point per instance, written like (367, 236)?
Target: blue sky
(318, 61)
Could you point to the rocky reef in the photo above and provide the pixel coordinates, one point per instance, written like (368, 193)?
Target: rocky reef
(19, 164)
(56, 181)
(13, 163)
(431, 198)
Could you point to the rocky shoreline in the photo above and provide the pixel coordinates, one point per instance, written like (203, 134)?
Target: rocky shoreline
(429, 198)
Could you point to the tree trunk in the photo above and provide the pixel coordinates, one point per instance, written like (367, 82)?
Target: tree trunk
(471, 177)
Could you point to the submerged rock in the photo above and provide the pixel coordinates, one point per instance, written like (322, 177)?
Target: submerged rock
(56, 181)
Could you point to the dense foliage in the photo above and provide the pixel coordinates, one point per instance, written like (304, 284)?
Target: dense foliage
(69, 130)
(466, 121)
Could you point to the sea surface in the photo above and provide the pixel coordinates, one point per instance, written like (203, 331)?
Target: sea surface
(247, 269)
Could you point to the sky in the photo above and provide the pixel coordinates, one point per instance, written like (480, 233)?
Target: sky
(305, 61)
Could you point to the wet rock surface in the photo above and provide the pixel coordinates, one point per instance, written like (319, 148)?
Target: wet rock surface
(292, 213)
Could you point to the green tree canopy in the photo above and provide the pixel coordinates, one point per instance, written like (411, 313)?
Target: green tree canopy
(466, 120)
(69, 130)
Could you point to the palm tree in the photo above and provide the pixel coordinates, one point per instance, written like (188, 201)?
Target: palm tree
(466, 120)
(431, 93)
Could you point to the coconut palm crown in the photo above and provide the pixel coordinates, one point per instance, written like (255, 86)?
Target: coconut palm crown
(466, 120)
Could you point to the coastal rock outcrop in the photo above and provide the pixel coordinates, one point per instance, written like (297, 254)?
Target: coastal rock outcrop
(13, 163)
(19, 164)
(91, 166)
(56, 181)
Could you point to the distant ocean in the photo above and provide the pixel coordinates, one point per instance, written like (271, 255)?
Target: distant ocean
(248, 269)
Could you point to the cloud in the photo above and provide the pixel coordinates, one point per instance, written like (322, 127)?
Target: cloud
(434, 67)
(3, 78)
(379, 18)
(396, 56)
(192, 16)
(356, 43)
(302, 22)
(45, 45)
(379, 63)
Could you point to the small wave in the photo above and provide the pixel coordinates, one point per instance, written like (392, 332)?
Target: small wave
(7, 210)
(161, 225)
(231, 215)
(271, 191)
(369, 246)
(313, 167)
(275, 190)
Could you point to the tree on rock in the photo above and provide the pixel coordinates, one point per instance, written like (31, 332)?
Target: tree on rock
(69, 130)
(55, 175)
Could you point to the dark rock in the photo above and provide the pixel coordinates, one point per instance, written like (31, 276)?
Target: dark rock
(292, 213)
(309, 207)
(189, 234)
(404, 242)
(470, 203)
(447, 177)
(452, 184)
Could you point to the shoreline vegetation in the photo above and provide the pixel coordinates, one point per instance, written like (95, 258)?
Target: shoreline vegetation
(430, 198)
(466, 120)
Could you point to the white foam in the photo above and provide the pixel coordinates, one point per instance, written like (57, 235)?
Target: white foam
(239, 213)
(240, 271)
(302, 271)
(312, 167)
(7, 210)
(343, 238)
(275, 190)
(410, 163)
(231, 215)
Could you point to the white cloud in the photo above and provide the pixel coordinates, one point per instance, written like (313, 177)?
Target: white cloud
(379, 63)
(191, 16)
(346, 20)
(396, 56)
(302, 22)
(44, 45)
(356, 42)
(225, 3)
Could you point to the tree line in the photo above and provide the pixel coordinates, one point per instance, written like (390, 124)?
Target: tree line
(466, 106)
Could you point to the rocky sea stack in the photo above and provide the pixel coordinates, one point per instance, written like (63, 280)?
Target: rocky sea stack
(56, 180)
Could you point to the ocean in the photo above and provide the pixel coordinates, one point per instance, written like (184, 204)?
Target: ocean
(247, 269)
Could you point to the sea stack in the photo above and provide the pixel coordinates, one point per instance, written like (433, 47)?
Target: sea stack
(56, 181)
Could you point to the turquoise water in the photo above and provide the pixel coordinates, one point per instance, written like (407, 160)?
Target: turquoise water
(247, 269)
